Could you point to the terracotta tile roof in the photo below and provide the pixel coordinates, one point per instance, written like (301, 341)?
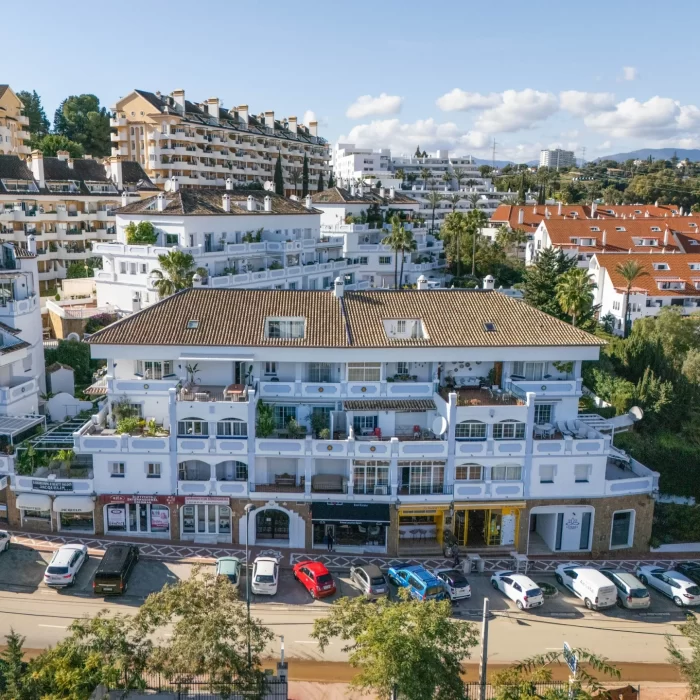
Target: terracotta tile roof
(678, 270)
(236, 317)
(390, 405)
(339, 195)
(209, 202)
(3, 89)
(21, 251)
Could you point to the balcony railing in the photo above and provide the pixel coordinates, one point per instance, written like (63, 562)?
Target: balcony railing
(425, 489)
(278, 486)
(233, 393)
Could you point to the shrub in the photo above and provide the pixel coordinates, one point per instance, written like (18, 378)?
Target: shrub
(142, 233)
(95, 323)
(129, 425)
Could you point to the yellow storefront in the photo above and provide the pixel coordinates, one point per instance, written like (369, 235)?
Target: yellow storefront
(487, 524)
(423, 526)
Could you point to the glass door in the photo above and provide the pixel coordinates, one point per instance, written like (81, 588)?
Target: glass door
(461, 526)
(492, 528)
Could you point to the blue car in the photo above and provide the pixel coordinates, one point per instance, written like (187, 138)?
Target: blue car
(421, 584)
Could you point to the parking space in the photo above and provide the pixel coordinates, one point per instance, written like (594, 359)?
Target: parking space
(291, 592)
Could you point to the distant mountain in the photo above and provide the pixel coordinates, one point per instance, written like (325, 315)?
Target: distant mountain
(488, 161)
(692, 154)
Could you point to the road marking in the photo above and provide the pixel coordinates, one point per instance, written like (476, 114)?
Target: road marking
(58, 627)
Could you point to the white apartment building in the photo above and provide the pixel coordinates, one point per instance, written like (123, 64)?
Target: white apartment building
(204, 144)
(384, 417)
(670, 280)
(352, 165)
(556, 158)
(66, 204)
(13, 124)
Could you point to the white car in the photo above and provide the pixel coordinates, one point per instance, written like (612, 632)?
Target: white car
(679, 588)
(455, 583)
(265, 576)
(4, 540)
(519, 588)
(65, 564)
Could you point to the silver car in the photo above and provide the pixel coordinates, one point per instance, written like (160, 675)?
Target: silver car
(370, 580)
(631, 592)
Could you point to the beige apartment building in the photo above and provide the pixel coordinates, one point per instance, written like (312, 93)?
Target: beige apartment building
(203, 144)
(12, 124)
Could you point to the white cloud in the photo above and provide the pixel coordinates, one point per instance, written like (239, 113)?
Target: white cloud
(309, 116)
(584, 103)
(366, 106)
(518, 110)
(460, 101)
(629, 73)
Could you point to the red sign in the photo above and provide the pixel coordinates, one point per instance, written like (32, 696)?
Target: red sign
(137, 498)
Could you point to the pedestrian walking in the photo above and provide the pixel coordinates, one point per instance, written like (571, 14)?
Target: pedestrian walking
(329, 540)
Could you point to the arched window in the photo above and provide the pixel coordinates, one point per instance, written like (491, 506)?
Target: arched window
(232, 470)
(470, 430)
(192, 427)
(509, 430)
(231, 427)
(469, 472)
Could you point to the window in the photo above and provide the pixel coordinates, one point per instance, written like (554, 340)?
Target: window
(284, 328)
(470, 430)
(122, 268)
(509, 430)
(532, 371)
(133, 268)
(506, 473)
(153, 470)
(364, 424)
(581, 472)
(192, 324)
(547, 473)
(192, 427)
(363, 371)
(231, 428)
(402, 368)
(283, 414)
(154, 369)
(622, 532)
(170, 239)
(144, 268)
(401, 325)
(385, 260)
(117, 469)
(364, 260)
(320, 372)
(371, 477)
(270, 368)
(544, 413)
(469, 472)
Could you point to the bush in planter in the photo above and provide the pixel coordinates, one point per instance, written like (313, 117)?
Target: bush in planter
(295, 429)
(324, 434)
(265, 422)
(129, 425)
(319, 422)
(143, 233)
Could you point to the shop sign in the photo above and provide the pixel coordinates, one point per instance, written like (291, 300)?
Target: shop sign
(160, 519)
(46, 485)
(116, 517)
(138, 498)
(202, 500)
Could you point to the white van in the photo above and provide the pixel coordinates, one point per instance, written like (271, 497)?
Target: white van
(592, 587)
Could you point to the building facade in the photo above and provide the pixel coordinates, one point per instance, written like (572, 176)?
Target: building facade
(557, 158)
(13, 124)
(204, 144)
(386, 418)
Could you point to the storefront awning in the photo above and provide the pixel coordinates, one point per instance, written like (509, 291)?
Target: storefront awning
(34, 501)
(428, 509)
(351, 513)
(73, 504)
(490, 505)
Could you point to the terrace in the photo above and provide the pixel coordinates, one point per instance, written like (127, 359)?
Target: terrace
(484, 396)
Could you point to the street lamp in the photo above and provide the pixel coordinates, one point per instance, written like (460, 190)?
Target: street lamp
(248, 508)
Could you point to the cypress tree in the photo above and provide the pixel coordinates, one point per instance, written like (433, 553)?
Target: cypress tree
(279, 179)
(331, 181)
(320, 181)
(305, 177)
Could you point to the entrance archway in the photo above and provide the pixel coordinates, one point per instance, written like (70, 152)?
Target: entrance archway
(272, 525)
(282, 518)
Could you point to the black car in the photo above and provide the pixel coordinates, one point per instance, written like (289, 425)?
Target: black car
(455, 582)
(113, 572)
(691, 569)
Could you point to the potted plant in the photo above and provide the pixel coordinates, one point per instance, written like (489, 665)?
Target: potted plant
(192, 372)
(295, 429)
(130, 425)
(319, 423)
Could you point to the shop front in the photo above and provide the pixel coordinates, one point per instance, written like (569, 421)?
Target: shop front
(35, 511)
(138, 515)
(205, 518)
(75, 514)
(482, 525)
(423, 527)
(354, 527)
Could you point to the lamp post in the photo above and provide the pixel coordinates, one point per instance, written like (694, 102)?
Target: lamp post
(249, 507)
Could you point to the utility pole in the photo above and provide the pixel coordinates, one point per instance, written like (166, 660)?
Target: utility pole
(493, 155)
(583, 156)
(484, 650)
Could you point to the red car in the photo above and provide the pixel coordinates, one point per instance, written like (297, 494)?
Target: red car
(315, 578)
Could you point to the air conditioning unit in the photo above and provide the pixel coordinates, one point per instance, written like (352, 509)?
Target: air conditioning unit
(380, 490)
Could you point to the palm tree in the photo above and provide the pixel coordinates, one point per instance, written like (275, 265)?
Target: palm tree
(459, 175)
(407, 245)
(176, 273)
(476, 220)
(425, 174)
(401, 175)
(574, 293)
(295, 177)
(411, 177)
(453, 232)
(434, 198)
(454, 200)
(474, 200)
(395, 240)
(447, 177)
(629, 271)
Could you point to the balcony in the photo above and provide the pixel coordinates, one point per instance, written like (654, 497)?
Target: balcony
(546, 387)
(624, 476)
(233, 393)
(425, 489)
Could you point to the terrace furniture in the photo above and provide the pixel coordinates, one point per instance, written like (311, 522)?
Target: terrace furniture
(201, 396)
(561, 427)
(537, 430)
(285, 480)
(416, 432)
(548, 429)
(335, 483)
(234, 391)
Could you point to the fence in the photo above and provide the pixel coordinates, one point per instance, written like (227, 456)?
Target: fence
(206, 687)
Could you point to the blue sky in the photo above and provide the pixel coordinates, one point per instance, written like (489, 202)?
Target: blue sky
(609, 76)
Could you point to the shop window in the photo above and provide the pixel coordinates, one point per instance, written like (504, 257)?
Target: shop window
(469, 472)
(160, 518)
(622, 533)
(506, 473)
(547, 473)
(470, 430)
(153, 470)
(363, 371)
(117, 469)
(231, 428)
(509, 430)
(192, 427)
(582, 473)
(36, 514)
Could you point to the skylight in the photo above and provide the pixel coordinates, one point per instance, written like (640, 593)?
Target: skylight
(191, 324)
(490, 327)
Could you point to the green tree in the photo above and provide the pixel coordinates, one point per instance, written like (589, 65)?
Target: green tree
(75, 354)
(630, 271)
(319, 187)
(13, 669)
(425, 175)
(454, 232)
(539, 289)
(454, 200)
(142, 233)
(485, 170)
(417, 154)
(688, 665)
(176, 273)
(408, 245)
(395, 240)
(279, 178)
(411, 648)
(295, 177)
(476, 220)
(305, 176)
(331, 181)
(51, 144)
(434, 198)
(574, 293)
(401, 175)
(34, 111)
(81, 119)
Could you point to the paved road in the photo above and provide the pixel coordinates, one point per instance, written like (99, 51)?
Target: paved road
(43, 615)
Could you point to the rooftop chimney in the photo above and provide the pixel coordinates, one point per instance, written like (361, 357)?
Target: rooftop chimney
(268, 202)
(339, 287)
(160, 201)
(559, 209)
(31, 244)
(605, 238)
(422, 282)
(37, 164)
(243, 113)
(546, 213)
(489, 282)
(666, 233)
(594, 209)
(392, 193)
(313, 128)
(70, 163)
(62, 155)
(270, 120)
(174, 184)
(226, 203)
(213, 108)
(179, 100)
(534, 209)
(521, 216)
(360, 188)
(116, 172)
(125, 199)
(251, 203)
(292, 122)
(136, 302)
(229, 183)
(382, 192)
(352, 190)
(307, 202)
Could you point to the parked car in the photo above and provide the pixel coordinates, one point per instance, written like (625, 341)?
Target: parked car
(596, 591)
(65, 564)
(4, 540)
(421, 584)
(370, 580)
(455, 583)
(691, 569)
(630, 591)
(519, 588)
(115, 569)
(265, 576)
(315, 577)
(230, 568)
(677, 586)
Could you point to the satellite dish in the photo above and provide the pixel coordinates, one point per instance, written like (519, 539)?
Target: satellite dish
(168, 185)
(636, 412)
(439, 425)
